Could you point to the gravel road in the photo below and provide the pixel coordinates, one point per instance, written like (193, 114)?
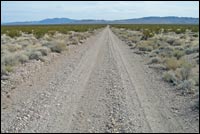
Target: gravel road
(101, 86)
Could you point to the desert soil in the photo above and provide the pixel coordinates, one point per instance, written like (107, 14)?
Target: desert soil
(101, 86)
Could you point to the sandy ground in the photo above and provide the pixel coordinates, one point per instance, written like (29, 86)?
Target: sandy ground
(101, 86)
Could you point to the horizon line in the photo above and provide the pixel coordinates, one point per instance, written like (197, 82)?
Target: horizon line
(98, 19)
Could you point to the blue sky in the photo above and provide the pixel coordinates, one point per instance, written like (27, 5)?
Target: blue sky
(110, 10)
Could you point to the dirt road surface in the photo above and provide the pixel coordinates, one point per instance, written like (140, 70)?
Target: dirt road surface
(101, 86)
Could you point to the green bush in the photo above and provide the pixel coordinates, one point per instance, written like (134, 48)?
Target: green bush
(147, 34)
(13, 33)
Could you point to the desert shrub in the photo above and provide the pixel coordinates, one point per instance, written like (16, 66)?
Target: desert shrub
(161, 47)
(195, 35)
(3, 70)
(170, 77)
(189, 51)
(180, 48)
(179, 31)
(43, 50)
(172, 63)
(195, 29)
(186, 85)
(197, 60)
(192, 50)
(13, 47)
(74, 41)
(58, 47)
(129, 43)
(166, 51)
(178, 53)
(13, 33)
(194, 41)
(177, 43)
(197, 104)
(130, 38)
(8, 68)
(158, 66)
(9, 59)
(145, 48)
(157, 51)
(161, 43)
(177, 73)
(155, 60)
(42, 59)
(147, 34)
(148, 45)
(35, 55)
(170, 40)
(183, 37)
(48, 44)
(21, 57)
(153, 53)
(39, 34)
(80, 36)
(51, 32)
(185, 70)
(4, 52)
(196, 80)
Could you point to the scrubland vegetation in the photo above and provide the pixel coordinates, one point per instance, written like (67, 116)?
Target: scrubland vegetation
(40, 30)
(19, 44)
(171, 49)
(149, 30)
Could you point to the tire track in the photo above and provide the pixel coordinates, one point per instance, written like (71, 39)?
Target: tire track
(156, 113)
(46, 110)
(110, 96)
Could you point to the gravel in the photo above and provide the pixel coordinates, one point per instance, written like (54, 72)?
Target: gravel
(99, 86)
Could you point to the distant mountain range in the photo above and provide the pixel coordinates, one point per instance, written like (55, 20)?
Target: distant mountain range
(144, 20)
